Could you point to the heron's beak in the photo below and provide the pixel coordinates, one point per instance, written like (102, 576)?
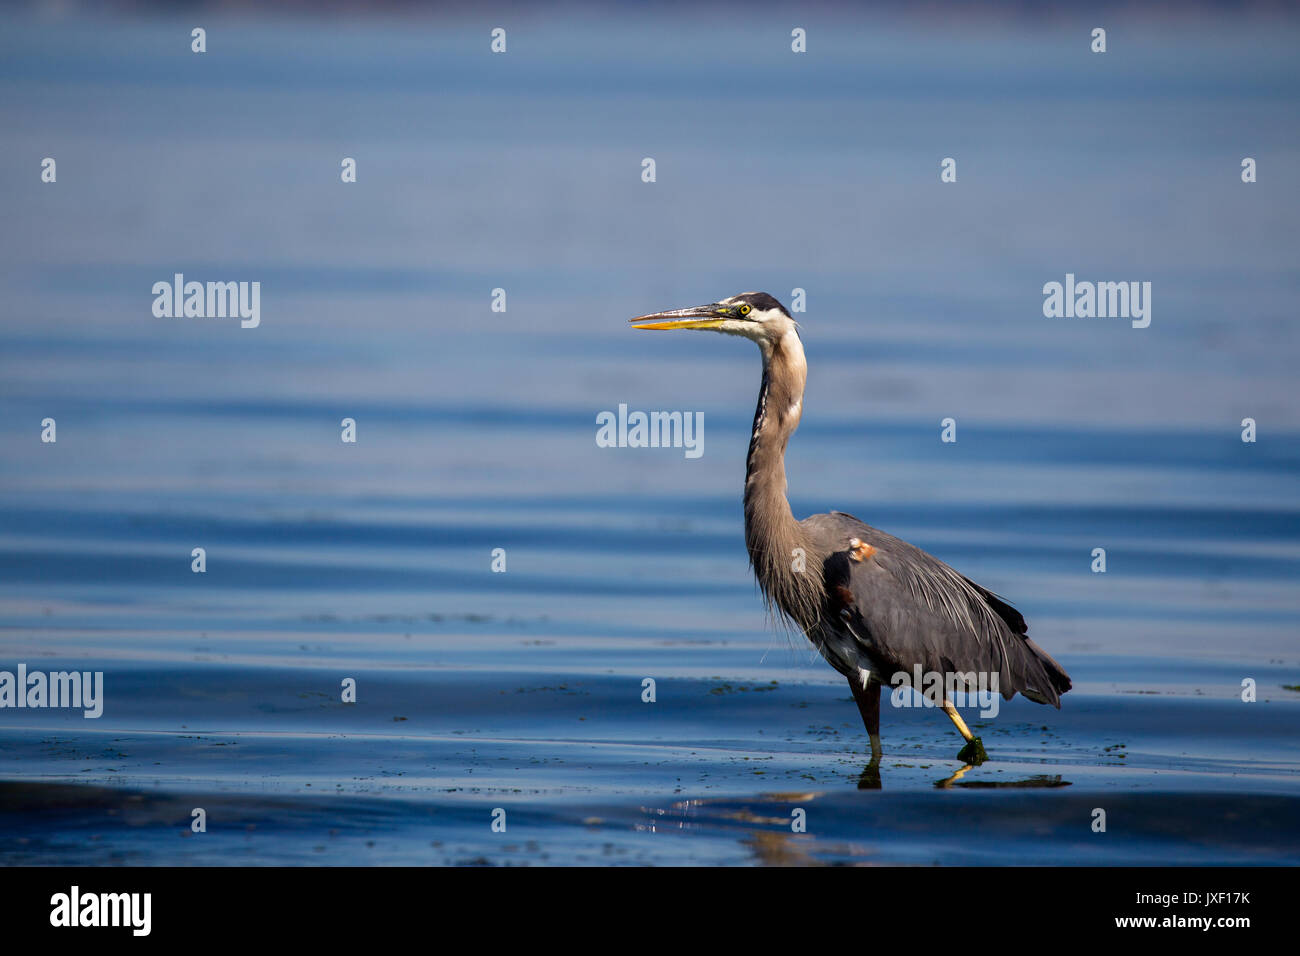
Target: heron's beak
(699, 317)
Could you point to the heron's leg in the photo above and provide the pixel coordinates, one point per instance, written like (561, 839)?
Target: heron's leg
(973, 753)
(955, 717)
(868, 700)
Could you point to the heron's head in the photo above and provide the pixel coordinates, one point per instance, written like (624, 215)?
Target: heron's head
(754, 315)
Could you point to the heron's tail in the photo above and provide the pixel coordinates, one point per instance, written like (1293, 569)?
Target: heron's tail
(1055, 673)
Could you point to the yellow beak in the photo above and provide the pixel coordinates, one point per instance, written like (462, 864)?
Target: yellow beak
(682, 324)
(699, 317)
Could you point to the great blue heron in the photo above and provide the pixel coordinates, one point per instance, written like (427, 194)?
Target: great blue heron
(873, 605)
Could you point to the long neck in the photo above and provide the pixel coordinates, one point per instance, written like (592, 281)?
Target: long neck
(787, 570)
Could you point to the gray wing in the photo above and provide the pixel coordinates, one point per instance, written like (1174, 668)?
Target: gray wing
(905, 607)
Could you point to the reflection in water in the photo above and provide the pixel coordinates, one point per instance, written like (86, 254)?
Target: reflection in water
(841, 825)
(775, 848)
(869, 779)
(1036, 782)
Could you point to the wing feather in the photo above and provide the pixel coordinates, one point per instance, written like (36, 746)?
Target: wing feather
(905, 607)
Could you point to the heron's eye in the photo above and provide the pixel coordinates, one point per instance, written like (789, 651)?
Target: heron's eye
(744, 310)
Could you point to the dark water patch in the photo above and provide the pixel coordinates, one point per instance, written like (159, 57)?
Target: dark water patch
(64, 825)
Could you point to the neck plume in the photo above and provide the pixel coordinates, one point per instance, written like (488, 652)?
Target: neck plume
(789, 574)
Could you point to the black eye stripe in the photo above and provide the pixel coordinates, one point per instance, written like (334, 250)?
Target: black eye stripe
(760, 301)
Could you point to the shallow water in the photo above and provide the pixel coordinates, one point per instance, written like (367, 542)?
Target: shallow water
(523, 690)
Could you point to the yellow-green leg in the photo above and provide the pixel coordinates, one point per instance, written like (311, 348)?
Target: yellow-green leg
(973, 752)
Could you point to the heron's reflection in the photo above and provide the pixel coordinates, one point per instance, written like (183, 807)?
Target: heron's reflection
(870, 779)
